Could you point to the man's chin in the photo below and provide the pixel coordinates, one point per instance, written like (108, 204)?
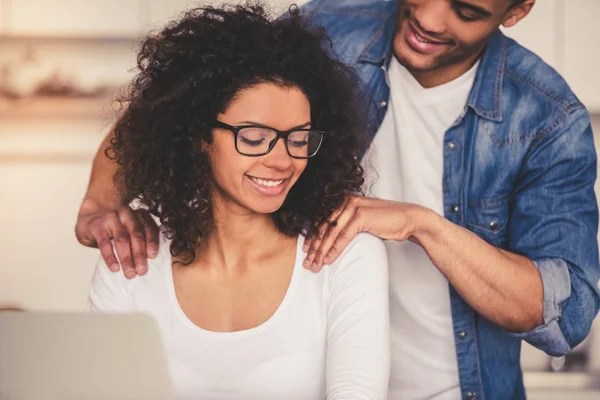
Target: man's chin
(412, 60)
(416, 63)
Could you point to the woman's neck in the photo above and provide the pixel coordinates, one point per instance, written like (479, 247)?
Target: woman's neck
(239, 238)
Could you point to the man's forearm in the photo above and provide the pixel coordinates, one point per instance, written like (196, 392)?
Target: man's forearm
(102, 188)
(503, 287)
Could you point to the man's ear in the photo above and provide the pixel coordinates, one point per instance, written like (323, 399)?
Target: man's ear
(517, 13)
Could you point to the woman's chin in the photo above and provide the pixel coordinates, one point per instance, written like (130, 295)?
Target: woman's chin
(266, 209)
(266, 206)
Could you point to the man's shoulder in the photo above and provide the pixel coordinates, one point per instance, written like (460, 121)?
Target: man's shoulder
(528, 76)
(363, 13)
(350, 24)
(348, 6)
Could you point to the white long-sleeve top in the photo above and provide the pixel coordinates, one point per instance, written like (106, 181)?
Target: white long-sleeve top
(329, 338)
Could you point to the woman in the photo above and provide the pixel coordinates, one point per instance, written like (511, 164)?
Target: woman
(240, 135)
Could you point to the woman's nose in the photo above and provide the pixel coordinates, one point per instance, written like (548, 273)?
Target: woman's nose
(278, 157)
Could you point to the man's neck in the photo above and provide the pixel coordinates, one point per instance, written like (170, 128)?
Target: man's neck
(437, 77)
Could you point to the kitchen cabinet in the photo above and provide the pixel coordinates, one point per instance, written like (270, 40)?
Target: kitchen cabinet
(582, 51)
(540, 31)
(75, 18)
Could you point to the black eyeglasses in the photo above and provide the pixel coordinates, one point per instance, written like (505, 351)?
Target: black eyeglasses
(256, 140)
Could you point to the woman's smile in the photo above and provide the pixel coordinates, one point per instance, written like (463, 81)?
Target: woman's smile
(268, 187)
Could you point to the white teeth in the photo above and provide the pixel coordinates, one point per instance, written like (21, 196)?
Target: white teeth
(421, 38)
(267, 183)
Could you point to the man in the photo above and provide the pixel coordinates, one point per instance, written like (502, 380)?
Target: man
(485, 169)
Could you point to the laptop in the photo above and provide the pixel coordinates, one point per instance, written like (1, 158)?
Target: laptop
(82, 356)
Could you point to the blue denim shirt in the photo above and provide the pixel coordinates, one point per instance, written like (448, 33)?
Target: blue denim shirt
(519, 171)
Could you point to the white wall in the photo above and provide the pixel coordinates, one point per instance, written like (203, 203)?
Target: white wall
(41, 264)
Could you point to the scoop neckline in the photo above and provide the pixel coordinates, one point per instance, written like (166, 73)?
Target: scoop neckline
(287, 298)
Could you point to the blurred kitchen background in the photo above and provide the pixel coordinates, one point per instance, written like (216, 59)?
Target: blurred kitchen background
(61, 62)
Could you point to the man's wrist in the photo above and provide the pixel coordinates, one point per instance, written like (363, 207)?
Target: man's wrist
(92, 204)
(427, 223)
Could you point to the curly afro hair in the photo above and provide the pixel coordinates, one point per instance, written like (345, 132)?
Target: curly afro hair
(188, 74)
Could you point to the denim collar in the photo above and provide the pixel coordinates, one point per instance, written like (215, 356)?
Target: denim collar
(485, 97)
(379, 48)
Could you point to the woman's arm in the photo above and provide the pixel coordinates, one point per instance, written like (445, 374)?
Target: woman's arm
(358, 350)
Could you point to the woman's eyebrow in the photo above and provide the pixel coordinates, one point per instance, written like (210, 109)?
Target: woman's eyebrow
(304, 125)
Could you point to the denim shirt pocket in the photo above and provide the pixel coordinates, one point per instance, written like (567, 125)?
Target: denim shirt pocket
(488, 219)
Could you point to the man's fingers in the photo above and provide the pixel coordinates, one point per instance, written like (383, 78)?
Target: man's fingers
(151, 232)
(306, 245)
(322, 230)
(134, 235)
(336, 214)
(330, 237)
(341, 217)
(315, 243)
(342, 240)
(311, 245)
(106, 250)
(122, 244)
(137, 239)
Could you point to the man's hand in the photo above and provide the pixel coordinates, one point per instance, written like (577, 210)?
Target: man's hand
(134, 232)
(388, 220)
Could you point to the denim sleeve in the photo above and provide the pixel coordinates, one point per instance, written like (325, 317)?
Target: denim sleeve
(554, 222)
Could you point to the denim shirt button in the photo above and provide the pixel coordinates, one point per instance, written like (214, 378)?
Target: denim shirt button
(463, 335)
(471, 396)
(383, 103)
(494, 226)
(453, 208)
(452, 145)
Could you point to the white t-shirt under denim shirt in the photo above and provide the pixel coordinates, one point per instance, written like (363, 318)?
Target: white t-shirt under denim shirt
(328, 339)
(405, 163)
